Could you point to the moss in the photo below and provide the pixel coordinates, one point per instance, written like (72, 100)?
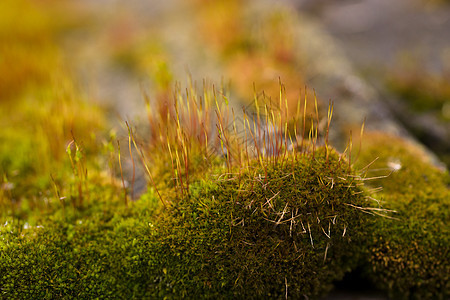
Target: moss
(26, 66)
(409, 255)
(35, 133)
(257, 71)
(224, 17)
(425, 105)
(283, 226)
(95, 253)
(252, 236)
(147, 56)
(225, 240)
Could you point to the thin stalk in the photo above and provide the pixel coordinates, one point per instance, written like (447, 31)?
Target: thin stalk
(144, 163)
(132, 159)
(121, 175)
(304, 120)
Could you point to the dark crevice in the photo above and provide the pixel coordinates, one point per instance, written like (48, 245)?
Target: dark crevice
(355, 287)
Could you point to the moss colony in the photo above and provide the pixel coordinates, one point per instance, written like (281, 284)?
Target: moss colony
(240, 204)
(409, 255)
(274, 216)
(292, 232)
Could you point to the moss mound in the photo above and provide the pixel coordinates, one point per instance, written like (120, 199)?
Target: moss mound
(291, 232)
(249, 235)
(409, 255)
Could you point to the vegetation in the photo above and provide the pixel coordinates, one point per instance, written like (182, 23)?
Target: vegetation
(91, 253)
(408, 254)
(252, 203)
(292, 232)
(273, 239)
(273, 223)
(41, 109)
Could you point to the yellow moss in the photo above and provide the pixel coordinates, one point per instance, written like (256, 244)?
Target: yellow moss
(22, 66)
(409, 255)
(25, 21)
(408, 166)
(34, 141)
(40, 107)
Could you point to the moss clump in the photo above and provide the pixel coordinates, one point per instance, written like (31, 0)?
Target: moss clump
(293, 232)
(409, 255)
(289, 228)
(100, 252)
(425, 110)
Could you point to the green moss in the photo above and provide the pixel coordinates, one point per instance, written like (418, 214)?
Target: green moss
(93, 253)
(36, 130)
(288, 225)
(252, 236)
(230, 238)
(409, 255)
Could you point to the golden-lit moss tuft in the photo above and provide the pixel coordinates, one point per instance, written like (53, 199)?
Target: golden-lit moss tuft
(293, 231)
(409, 255)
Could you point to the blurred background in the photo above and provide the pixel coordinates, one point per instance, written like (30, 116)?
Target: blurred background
(391, 56)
